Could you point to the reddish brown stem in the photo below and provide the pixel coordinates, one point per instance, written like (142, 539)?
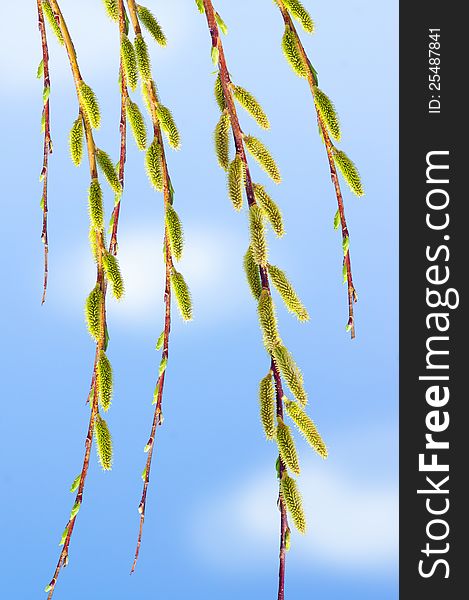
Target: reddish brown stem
(351, 292)
(47, 146)
(167, 195)
(241, 151)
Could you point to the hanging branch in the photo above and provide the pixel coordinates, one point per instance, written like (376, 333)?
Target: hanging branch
(43, 71)
(260, 274)
(107, 270)
(328, 126)
(137, 59)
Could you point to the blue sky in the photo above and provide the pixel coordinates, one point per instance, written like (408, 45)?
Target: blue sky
(212, 525)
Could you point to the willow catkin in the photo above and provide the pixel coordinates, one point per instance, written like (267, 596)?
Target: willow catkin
(103, 443)
(221, 137)
(293, 54)
(183, 296)
(268, 321)
(46, 7)
(307, 427)
(150, 22)
(349, 172)
(109, 171)
(251, 268)
(137, 124)
(93, 307)
(299, 12)
(112, 9)
(175, 233)
(251, 105)
(219, 95)
(168, 125)
(75, 140)
(143, 58)
(290, 372)
(95, 205)
(267, 405)
(293, 502)
(328, 113)
(257, 233)
(129, 62)
(263, 156)
(287, 293)
(236, 179)
(154, 165)
(287, 448)
(89, 104)
(270, 209)
(113, 274)
(104, 381)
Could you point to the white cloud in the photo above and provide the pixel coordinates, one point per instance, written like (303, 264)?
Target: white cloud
(352, 525)
(209, 256)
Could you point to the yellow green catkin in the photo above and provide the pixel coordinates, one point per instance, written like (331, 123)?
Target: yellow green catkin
(113, 274)
(293, 502)
(236, 179)
(263, 156)
(151, 24)
(251, 105)
(349, 172)
(268, 321)
(103, 443)
(219, 95)
(293, 54)
(251, 268)
(286, 447)
(257, 233)
(327, 113)
(129, 62)
(183, 296)
(109, 171)
(143, 58)
(290, 372)
(104, 381)
(154, 165)
(287, 293)
(168, 125)
(95, 205)
(137, 124)
(93, 312)
(307, 427)
(299, 12)
(175, 233)
(89, 104)
(75, 140)
(267, 406)
(270, 209)
(221, 137)
(52, 22)
(112, 9)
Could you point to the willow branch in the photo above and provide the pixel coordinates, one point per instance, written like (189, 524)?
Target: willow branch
(241, 151)
(47, 145)
(167, 199)
(91, 149)
(352, 294)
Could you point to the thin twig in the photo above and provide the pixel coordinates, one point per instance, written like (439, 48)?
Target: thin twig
(167, 196)
(47, 146)
(241, 151)
(352, 294)
(91, 148)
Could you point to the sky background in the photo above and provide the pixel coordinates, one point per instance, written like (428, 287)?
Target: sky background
(212, 525)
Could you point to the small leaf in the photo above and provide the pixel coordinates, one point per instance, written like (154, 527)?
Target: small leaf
(346, 244)
(163, 365)
(221, 24)
(64, 536)
(46, 94)
(75, 484)
(159, 343)
(337, 219)
(75, 509)
(215, 54)
(40, 69)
